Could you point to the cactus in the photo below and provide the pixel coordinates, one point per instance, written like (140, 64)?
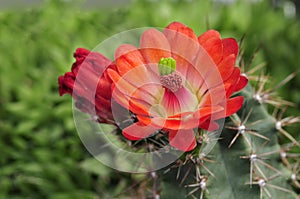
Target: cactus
(246, 161)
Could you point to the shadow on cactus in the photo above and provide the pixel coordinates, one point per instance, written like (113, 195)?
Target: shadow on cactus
(176, 107)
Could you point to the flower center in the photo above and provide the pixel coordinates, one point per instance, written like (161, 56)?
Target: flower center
(169, 78)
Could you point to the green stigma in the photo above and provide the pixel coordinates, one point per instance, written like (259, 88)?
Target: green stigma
(166, 66)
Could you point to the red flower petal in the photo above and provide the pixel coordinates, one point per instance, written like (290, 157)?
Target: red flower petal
(180, 28)
(139, 100)
(121, 85)
(128, 57)
(97, 61)
(66, 83)
(142, 102)
(154, 46)
(230, 46)
(135, 87)
(183, 140)
(243, 81)
(214, 96)
(233, 105)
(209, 125)
(129, 103)
(212, 43)
(184, 45)
(186, 120)
(226, 66)
(104, 88)
(80, 54)
(138, 131)
(232, 81)
(208, 70)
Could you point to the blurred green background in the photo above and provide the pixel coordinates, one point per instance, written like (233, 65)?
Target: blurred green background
(41, 155)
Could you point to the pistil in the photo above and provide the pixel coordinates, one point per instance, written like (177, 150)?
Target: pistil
(169, 77)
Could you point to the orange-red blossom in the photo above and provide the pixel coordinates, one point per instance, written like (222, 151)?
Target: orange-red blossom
(195, 94)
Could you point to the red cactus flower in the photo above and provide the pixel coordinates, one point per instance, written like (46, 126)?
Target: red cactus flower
(175, 82)
(93, 74)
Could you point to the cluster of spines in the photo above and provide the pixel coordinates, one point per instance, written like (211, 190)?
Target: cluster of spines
(257, 160)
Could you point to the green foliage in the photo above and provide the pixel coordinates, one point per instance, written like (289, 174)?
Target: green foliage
(42, 156)
(41, 153)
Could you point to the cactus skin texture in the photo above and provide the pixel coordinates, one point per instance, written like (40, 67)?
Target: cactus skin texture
(246, 163)
(232, 174)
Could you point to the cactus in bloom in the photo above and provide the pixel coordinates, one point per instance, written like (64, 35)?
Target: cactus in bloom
(248, 160)
(182, 95)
